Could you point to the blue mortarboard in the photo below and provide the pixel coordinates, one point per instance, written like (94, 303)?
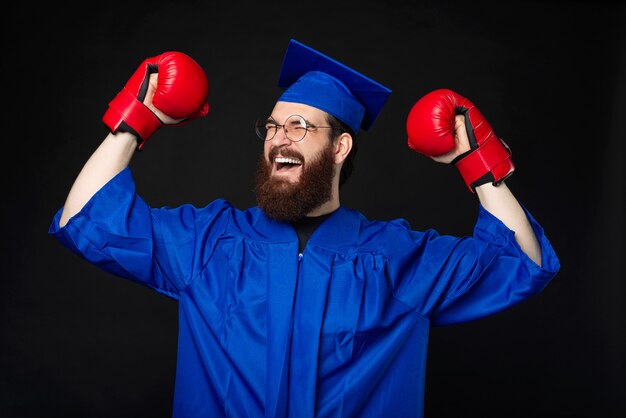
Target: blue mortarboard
(314, 79)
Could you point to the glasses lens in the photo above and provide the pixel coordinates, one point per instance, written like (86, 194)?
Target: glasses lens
(295, 128)
(264, 129)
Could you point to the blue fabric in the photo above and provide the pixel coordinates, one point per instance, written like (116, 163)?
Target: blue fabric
(326, 93)
(315, 79)
(341, 331)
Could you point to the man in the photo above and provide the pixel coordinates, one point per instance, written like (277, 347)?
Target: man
(302, 307)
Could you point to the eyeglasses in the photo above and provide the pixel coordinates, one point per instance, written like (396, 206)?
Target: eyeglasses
(295, 127)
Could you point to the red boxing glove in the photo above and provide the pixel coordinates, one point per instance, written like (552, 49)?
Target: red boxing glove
(181, 93)
(430, 129)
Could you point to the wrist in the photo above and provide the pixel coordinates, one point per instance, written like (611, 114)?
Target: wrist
(127, 114)
(124, 141)
(490, 163)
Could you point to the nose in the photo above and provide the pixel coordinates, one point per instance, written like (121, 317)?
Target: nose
(280, 139)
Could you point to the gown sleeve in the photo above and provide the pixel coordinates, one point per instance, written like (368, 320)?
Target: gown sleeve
(452, 280)
(162, 248)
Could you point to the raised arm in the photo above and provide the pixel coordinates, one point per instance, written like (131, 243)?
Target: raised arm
(111, 157)
(449, 129)
(169, 89)
(500, 202)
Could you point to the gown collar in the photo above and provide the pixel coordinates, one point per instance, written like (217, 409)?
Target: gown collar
(339, 230)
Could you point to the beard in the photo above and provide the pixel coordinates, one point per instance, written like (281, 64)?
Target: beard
(288, 201)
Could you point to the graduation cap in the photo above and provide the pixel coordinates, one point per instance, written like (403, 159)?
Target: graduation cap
(312, 78)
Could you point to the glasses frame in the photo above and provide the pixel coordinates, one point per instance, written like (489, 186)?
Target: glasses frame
(307, 126)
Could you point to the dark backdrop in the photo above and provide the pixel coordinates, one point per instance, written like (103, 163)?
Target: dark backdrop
(549, 76)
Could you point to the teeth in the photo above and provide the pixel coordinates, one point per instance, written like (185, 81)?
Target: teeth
(285, 160)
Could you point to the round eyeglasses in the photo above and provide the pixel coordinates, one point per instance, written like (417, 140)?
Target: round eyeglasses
(295, 128)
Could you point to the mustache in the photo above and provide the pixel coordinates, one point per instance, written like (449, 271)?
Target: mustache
(284, 152)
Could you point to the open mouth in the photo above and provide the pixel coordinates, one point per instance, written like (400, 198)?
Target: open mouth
(286, 164)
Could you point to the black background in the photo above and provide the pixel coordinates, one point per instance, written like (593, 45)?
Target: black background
(549, 76)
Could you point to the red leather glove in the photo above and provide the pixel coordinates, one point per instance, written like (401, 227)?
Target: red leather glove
(430, 128)
(181, 93)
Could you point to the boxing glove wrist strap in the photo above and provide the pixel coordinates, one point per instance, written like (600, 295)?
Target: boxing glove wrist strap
(126, 113)
(490, 162)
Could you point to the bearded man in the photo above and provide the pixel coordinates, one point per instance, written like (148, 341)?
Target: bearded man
(300, 306)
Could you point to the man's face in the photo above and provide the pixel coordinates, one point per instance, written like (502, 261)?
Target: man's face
(293, 178)
(288, 159)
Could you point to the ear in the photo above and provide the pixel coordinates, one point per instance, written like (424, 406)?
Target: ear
(343, 145)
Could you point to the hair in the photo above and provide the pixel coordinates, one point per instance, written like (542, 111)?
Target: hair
(340, 128)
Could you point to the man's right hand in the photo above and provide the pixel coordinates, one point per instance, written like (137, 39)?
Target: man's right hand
(170, 88)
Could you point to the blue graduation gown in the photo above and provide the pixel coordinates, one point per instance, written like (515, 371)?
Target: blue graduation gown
(340, 330)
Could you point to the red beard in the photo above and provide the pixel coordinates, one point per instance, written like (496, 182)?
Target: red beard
(288, 201)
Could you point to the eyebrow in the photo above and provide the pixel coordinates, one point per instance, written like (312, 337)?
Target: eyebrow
(270, 119)
(297, 122)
